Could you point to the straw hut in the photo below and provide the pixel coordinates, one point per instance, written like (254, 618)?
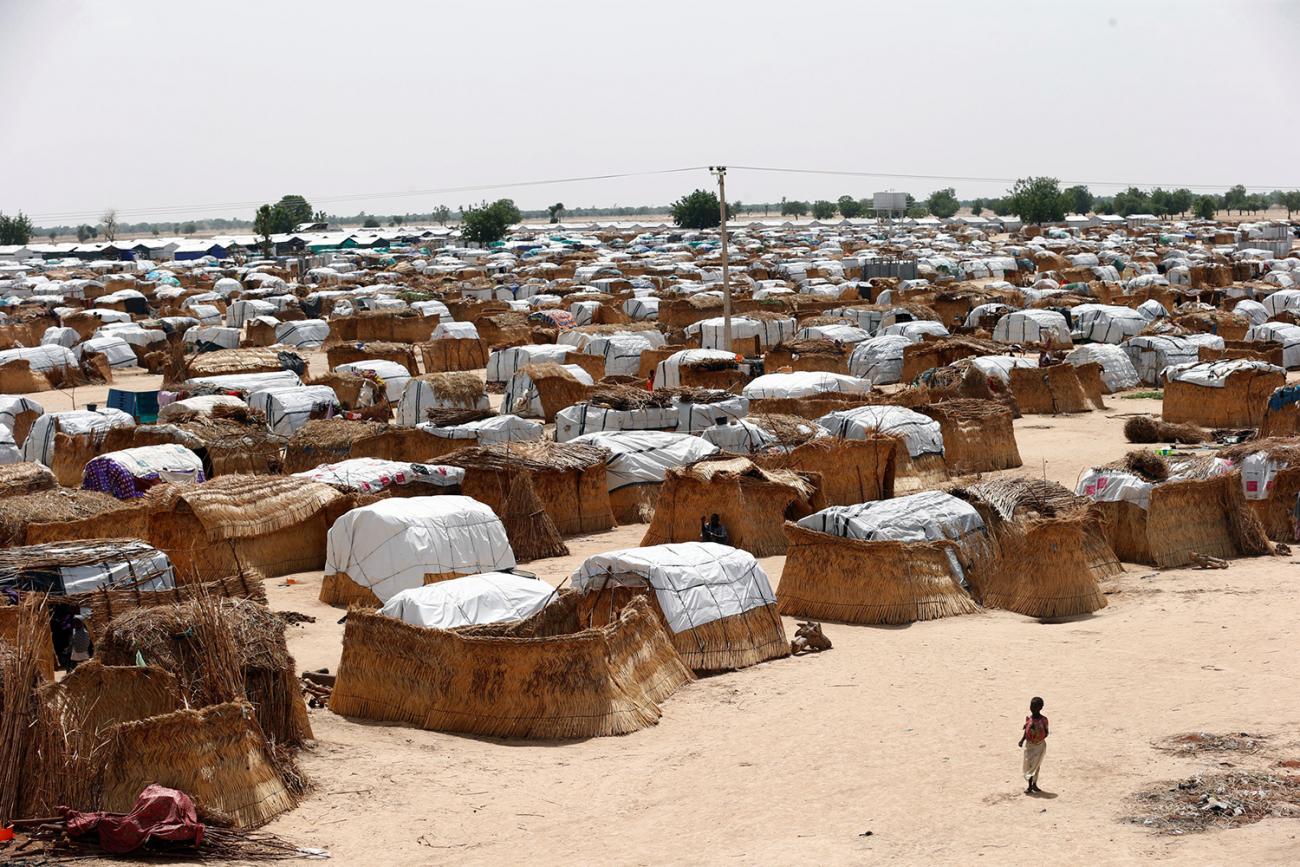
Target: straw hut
(542, 390)
(357, 392)
(553, 675)
(351, 353)
(1048, 390)
(920, 462)
(927, 354)
(456, 390)
(65, 441)
(894, 561)
(568, 478)
(177, 638)
(716, 601)
(106, 603)
(978, 436)
(699, 368)
(1281, 413)
(62, 514)
(328, 441)
(1051, 549)
(1197, 508)
(228, 441)
(1090, 379)
(811, 355)
(13, 620)
(751, 502)
(454, 353)
(376, 551)
(382, 326)
(1231, 394)
(849, 471)
(1270, 476)
(1116, 371)
(25, 478)
(215, 755)
(129, 473)
(638, 464)
(227, 362)
(274, 524)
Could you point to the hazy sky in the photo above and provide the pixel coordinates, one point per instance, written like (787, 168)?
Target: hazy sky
(189, 108)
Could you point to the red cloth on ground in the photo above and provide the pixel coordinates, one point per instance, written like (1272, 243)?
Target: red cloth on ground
(159, 813)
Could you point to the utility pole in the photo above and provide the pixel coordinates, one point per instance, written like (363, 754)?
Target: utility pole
(720, 172)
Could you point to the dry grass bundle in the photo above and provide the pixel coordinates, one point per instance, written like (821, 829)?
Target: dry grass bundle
(814, 346)
(20, 675)
(1219, 800)
(532, 533)
(789, 430)
(216, 755)
(238, 506)
(627, 398)
(1147, 465)
(528, 457)
(19, 515)
(829, 577)
(551, 676)
(852, 471)
(25, 478)
(451, 416)
(1148, 429)
(978, 435)
(693, 394)
(230, 361)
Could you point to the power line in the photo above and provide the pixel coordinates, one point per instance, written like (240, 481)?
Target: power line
(974, 179)
(353, 197)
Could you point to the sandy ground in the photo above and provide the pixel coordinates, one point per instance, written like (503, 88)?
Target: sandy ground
(908, 733)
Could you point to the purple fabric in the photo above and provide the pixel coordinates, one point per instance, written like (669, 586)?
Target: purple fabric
(109, 477)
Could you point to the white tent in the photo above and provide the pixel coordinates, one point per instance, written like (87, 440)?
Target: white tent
(1117, 372)
(836, 332)
(694, 582)
(668, 371)
(1255, 312)
(738, 436)
(303, 333)
(217, 335)
(39, 445)
(644, 457)
(1032, 326)
(118, 352)
(391, 545)
(14, 405)
(497, 429)
(1279, 332)
(915, 330)
(290, 407)
(522, 396)
(803, 384)
(474, 600)
(394, 375)
(879, 361)
(921, 434)
(245, 383)
(925, 517)
(622, 352)
(42, 358)
(1106, 323)
(769, 332)
(503, 363)
(418, 396)
(1151, 354)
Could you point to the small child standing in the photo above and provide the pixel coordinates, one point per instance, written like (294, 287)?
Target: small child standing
(1034, 740)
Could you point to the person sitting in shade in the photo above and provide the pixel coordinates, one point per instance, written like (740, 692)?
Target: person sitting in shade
(713, 531)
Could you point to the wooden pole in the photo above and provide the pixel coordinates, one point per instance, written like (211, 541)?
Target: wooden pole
(721, 172)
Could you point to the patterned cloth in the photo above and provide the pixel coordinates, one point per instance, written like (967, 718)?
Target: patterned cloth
(1035, 729)
(109, 477)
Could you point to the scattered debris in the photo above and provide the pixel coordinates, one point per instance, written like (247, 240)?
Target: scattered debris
(1205, 742)
(317, 686)
(294, 618)
(1212, 801)
(1205, 561)
(809, 638)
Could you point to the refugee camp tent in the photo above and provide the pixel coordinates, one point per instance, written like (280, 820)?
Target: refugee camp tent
(130, 472)
(1219, 394)
(1106, 323)
(373, 475)
(638, 464)
(447, 390)
(715, 600)
(375, 551)
(1152, 353)
(289, 408)
(803, 384)
(920, 440)
(1033, 326)
(1278, 332)
(879, 360)
(1117, 371)
(474, 600)
(393, 375)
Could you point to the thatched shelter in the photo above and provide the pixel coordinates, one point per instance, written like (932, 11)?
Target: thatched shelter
(851, 471)
(1195, 509)
(1048, 390)
(67, 514)
(350, 353)
(1232, 394)
(229, 440)
(1270, 474)
(453, 353)
(569, 479)
(978, 436)
(542, 390)
(553, 675)
(637, 466)
(25, 478)
(812, 354)
(14, 619)
(390, 326)
(176, 638)
(904, 563)
(715, 600)
(1051, 550)
(457, 390)
(919, 441)
(275, 524)
(1281, 413)
(225, 362)
(941, 352)
(751, 502)
(328, 441)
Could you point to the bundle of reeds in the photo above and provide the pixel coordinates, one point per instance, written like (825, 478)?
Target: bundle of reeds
(25, 478)
(789, 430)
(20, 675)
(532, 533)
(1148, 465)
(694, 394)
(462, 388)
(58, 505)
(1149, 429)
(627, 398)
(452, 416)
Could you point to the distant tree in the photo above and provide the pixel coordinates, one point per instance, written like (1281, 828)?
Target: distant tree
(977, 206)
(1078, 199)
(1037, 200)
(320, 217)
(1257, 202)
(1181, 200)
(153, 230)
(1291, 201)
(109, 222)
(488, 224)
(370, 223)
(16, 229)
(264, 225)
(823, 210)
(1235, 199)
(189, 228)
(1001, 207)
(1103, 205)
(793, 208)
(53, 235)
(734, 210)
(943, 203)
(398, 219)
(441, 215)
(94, 232)
(83, 233)
(916, 211)
(1161, 204)
(1206, 207)
(849, 207)
(296, 210)
(1132, 201)
(697, 210)
(556, 211)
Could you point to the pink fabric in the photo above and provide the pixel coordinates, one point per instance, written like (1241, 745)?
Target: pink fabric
(159, 813)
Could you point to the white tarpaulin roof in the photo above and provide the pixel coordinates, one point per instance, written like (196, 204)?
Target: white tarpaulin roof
(503, 363)
(42, 358)
(668, 372)
(39, 445)
(497, 429)
(803, 384)
(925, 517)
(1032, 326)
(389, 546)
(14, 405)
(1117, 372)
(879, 361)
(171, 462)
(394, 375)
(289, 408)
(369, 475)
(470, 601)
(644, 457)
(1214, 374)
(694, 582)
(303, 333)
(418, 397)
(1106, 323)
(247, 383)
(921, 434)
